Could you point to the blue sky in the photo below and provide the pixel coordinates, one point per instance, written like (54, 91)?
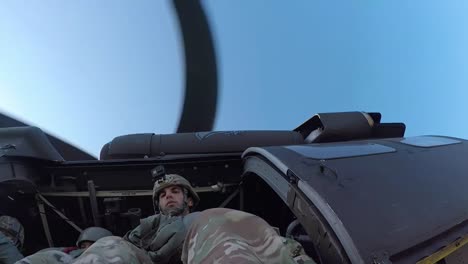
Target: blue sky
(88, 71)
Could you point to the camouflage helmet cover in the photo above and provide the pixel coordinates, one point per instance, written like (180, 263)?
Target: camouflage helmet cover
(13, 229)
(92, 234)
(171, 180)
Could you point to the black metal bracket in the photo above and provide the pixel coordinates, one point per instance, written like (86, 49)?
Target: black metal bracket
(158, 172)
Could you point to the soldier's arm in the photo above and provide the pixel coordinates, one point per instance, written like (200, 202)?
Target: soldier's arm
(146, 225)
(8, 252)
(134, 236)
(170, 237)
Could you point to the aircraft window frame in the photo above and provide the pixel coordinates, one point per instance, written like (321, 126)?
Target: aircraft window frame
(429, 141)
(340, 151)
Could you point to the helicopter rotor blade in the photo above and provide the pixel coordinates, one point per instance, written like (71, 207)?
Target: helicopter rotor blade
(201, 79)
(66, 150)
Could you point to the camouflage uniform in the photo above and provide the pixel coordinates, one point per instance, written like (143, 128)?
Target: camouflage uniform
(63, 255)
(153, 233)
(113, 250)
(50, 256)
(11, 239)
(214, 236)
(8, 252)
(13, 229)
(229, 236)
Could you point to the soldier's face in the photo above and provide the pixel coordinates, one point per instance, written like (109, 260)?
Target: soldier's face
(85, 244)
(173, 201)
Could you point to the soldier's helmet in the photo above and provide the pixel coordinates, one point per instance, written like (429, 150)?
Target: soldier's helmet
(92, 234)
(171, 180)
(13, 229)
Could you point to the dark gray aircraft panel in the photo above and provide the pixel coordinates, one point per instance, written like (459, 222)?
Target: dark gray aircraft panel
(335, 152)
(396, 206)
(429, 141)
(27, 142)
(65, 150)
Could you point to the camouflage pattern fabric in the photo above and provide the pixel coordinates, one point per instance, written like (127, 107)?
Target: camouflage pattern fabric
(215, 236)
(107, 250)
(64, 249)
(9, 253)
(113, 250)
(229, 236)
(51, 256)
(161, 236)
(75, 253)
(13, 229)
(144, 234)
(158, 239)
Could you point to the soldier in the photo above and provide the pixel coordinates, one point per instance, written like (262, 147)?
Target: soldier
(90, 235)
(173, 196)
(158, 238)
(11, 239)
(65, 255)
(225, 236)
